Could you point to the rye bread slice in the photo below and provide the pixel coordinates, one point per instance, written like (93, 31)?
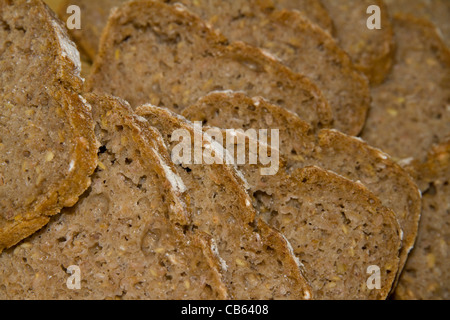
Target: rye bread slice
(47, 143)
(258, 261)
(329, 149)
(161, 54)
(372, 51)
(437, 11)
(122, 234)
(426, 275)
(337, 228)
(410, 111)
(299, 44)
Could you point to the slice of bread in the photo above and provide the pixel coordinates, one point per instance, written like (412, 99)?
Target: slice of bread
(337, 228)
(258, 261)
(426, 275)
(372, 51)
(410, 110)
(162, 54)
(122, 233)
(299, 44)
(328, 149)
(47, 144)
(437, 11)
(95, 16)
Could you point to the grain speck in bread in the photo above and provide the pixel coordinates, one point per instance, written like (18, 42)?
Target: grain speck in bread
(47, 143)
(258, 261)
(372, 51)
(162, 54)
(328, 149)
(426, 275)
(122, 234)
(410, 111)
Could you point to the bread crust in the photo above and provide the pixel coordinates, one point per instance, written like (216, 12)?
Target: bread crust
(302, 146)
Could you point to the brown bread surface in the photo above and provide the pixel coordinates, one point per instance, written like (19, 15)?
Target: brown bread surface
(47, 143)
(372, 51)
(337, 228)
(328, 149)
(299, 44)
(426, 275)
(96, 13)
(162, 54)
(258, 261)
(124, 234)
(436, 11)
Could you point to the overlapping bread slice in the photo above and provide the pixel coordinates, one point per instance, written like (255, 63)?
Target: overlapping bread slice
(299, 44)
(94, 17)
(337, 228)
(126, 234)
(258, 262)
(313, 9)
(372, 51)
(96, 13)
(437, 11)
(47, 143)
(328, 149)
(426, 275)
(410, 111)
(162, 54)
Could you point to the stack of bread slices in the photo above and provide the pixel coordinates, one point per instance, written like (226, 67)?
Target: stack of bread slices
(247, 150)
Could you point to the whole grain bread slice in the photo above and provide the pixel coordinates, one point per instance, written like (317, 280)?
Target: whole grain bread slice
(329, 149)
(372, 51)
(337, 228)
(162, 54)
(125, 234)
(426, 275)
(299, 44)
(47, 144)
(258, 262)
(410, 110)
